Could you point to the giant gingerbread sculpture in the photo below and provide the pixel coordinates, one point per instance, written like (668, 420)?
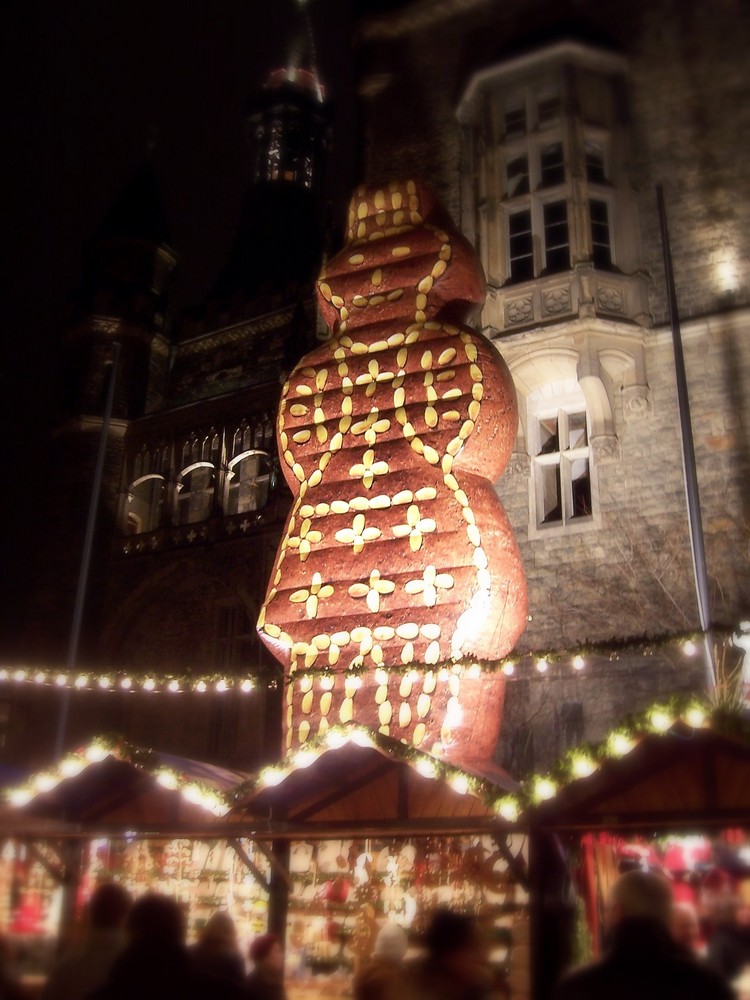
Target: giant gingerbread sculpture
(397, 552)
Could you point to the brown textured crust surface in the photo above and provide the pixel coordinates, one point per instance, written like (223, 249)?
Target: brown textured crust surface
(397, 550)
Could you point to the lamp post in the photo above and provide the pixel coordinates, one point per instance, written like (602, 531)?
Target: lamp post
(88, 543)
(690, 476)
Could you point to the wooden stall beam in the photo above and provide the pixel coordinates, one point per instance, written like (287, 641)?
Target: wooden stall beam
(248, 862)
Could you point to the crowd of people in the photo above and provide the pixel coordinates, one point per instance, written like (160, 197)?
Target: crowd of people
(652, 953)
(138, 951)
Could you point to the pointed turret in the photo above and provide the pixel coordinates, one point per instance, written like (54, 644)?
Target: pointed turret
(277, 249)
(289, 122)
(127, 268)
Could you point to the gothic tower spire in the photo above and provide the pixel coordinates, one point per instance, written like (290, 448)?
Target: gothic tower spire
(278, 245)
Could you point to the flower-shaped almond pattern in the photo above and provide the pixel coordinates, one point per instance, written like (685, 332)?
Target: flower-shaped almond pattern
(397, 550)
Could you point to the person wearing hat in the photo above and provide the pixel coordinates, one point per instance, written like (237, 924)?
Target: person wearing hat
(383, 976)
(266, 981)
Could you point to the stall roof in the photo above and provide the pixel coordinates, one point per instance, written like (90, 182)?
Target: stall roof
(685, 778)
(115, 787)
(378, 784)
(358, 781)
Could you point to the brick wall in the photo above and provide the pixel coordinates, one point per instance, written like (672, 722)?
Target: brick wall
(688, 109)
(688, 100)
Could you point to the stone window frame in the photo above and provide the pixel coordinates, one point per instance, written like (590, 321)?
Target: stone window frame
(605, 361)
(562, 396)
(486, 203)
(609, 199)
(562, 459)
(220, 446)
(182, 496)
(137, 519)
(534, 201)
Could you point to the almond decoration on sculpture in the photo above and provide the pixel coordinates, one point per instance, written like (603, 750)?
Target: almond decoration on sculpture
(397, 551)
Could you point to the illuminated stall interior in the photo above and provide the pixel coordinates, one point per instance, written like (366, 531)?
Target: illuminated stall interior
(359, 830)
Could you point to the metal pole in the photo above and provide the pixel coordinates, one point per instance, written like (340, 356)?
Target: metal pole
(690, 475)
(88, 544)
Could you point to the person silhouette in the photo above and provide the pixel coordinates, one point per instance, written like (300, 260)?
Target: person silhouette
(85, 968)
(643, 960)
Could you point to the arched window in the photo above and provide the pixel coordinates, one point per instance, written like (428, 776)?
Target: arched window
(211, 447)
(248, 480)
(145, 504)
(195, 492)
(191, 450)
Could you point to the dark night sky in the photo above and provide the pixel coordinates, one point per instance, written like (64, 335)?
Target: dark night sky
(83, 84)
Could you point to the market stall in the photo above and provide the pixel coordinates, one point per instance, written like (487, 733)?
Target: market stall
(324, 846)
(113, 811)
(376, 831)
(669, 792)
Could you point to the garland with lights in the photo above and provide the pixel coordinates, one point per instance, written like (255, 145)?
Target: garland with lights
(338, 736)
(540, 662)
(197, 792)
(512, 808)
(582, 761)
(129, 682)
(516, 666)
(576, 764)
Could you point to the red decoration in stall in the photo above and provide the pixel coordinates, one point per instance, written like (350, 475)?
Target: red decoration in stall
(397, 550)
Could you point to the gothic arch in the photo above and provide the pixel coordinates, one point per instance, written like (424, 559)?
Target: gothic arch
(139, 614)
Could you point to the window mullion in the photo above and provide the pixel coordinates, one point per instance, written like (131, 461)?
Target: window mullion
(566, 489)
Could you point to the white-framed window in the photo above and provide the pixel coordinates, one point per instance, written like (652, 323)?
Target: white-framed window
(602, 243)
(558, 436)
(534, 151)
(547, 185)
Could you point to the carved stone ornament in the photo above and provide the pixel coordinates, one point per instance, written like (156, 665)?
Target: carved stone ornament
(606, 449)
(519, 310)
(610, 298)
(636, 402)
(397, 552)
(556, 300)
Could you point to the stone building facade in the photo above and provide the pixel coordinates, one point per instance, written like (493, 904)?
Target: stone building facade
(546, 128)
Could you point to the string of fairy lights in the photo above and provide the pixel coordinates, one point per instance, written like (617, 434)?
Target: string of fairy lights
(43, 782)
(510, 808)
(537, 664)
